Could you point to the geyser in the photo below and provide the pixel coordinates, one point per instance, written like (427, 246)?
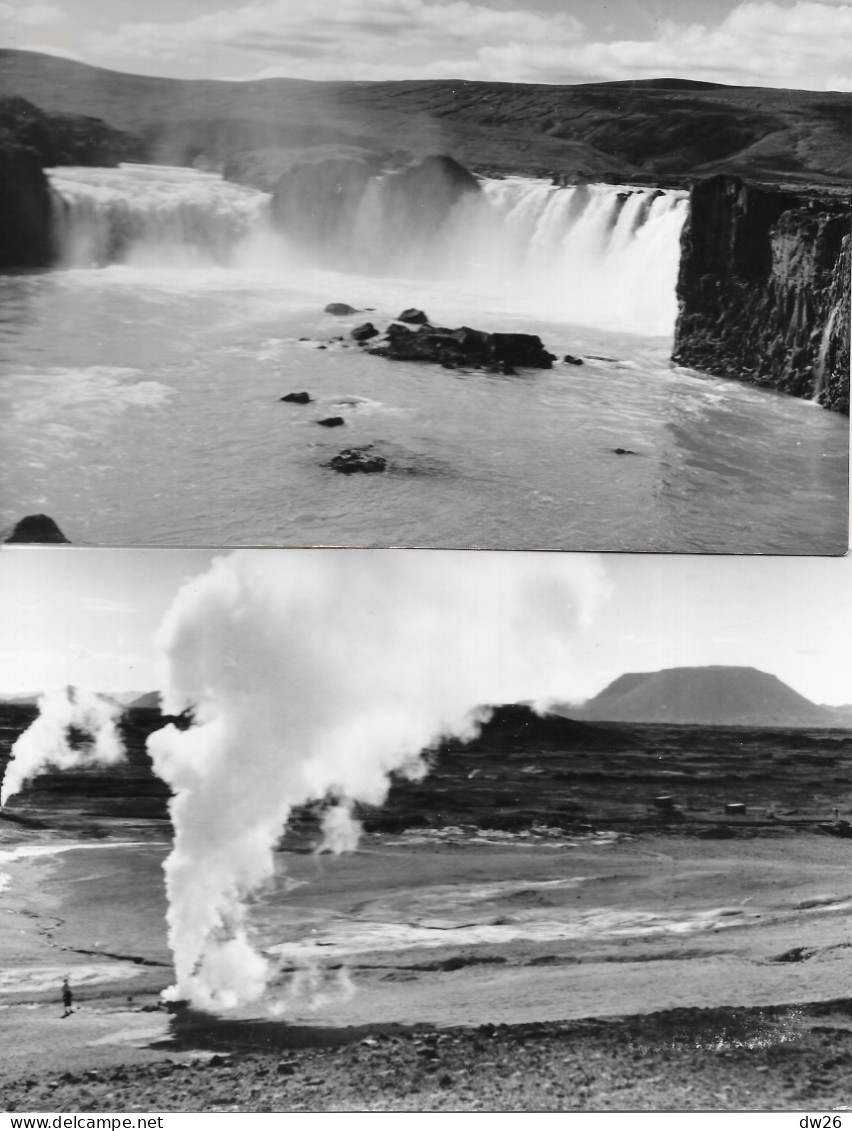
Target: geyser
(74, 728)
(316, 675)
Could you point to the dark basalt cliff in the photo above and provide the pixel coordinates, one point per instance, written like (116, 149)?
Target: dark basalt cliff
(764, 288)
(25, 210)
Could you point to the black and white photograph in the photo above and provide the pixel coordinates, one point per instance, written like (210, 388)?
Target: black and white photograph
(377, 830)
(427, 273)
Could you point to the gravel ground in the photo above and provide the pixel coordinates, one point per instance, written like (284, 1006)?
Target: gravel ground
(783, 1058)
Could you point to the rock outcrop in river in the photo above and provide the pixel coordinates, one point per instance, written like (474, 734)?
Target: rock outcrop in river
(349, 212)
(764, 288)
(462, 347)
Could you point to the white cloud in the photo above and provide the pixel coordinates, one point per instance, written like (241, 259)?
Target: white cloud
(351, 38)
(25, 15)
(798, 43)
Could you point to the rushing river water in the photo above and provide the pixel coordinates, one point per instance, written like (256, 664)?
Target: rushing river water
(140, 399)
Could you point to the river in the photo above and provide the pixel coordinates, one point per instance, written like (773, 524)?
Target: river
(141, 385)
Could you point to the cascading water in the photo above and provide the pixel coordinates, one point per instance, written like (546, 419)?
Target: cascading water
(821, 366)
(602, 255)
(153, 216)
(595, 254)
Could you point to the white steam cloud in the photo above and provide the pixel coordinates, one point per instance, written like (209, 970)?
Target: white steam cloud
(74, 728)
(315, 675)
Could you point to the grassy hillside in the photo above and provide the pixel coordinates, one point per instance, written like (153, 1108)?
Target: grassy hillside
(662, 129)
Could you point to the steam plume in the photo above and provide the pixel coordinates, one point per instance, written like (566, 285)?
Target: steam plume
(74, 728)
(315, 674)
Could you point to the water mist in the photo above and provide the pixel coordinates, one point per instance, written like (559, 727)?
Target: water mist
(74, 728)
(316, 675)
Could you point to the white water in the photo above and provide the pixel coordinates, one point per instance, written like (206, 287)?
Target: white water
(153, 216)
(597, 254)
(139, 403)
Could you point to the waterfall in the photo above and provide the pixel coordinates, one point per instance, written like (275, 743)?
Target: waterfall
(602, 255)
(152, 216)
(597, 254)
(821, 366)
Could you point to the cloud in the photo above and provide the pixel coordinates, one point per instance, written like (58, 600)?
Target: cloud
(374, 37)
(759, 42)
(25, 15)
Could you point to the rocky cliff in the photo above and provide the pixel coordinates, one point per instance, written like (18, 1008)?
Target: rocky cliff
(319, 205)
(764, 288)
(31, 140)
(25, 210)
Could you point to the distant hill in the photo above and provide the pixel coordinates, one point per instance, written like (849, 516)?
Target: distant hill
(716, 695)
(657, 129)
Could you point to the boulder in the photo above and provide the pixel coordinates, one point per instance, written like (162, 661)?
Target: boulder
(352, 460)
(364, 332)
(413, 315)
(463, 346)
(423, 194)
(297, 398)
(331, 421)
(340, 309)
(569, 359)
(34, 528)
(316, 202)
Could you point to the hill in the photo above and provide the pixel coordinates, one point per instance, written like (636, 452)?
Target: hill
(660, 129)
(707, 696)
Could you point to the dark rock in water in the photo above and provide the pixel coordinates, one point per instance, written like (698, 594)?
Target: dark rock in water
(764, 288)
(413, 315)
(624, 452)
(464, 346)
(34, 528)
(364, 332)
(332, 422)
(357, 459)
(398, 330)
(340, 308)
(521, 349)
(569, 359)
(297, 398)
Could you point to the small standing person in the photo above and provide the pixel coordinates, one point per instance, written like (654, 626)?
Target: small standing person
(67, 998)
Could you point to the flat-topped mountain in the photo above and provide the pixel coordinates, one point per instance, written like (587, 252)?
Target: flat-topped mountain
(716, 695)
(660, 128)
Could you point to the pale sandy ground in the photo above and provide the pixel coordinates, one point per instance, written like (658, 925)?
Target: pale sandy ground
(704, 963)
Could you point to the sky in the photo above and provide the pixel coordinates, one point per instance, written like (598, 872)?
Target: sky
(784, 43)
(88, 616)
